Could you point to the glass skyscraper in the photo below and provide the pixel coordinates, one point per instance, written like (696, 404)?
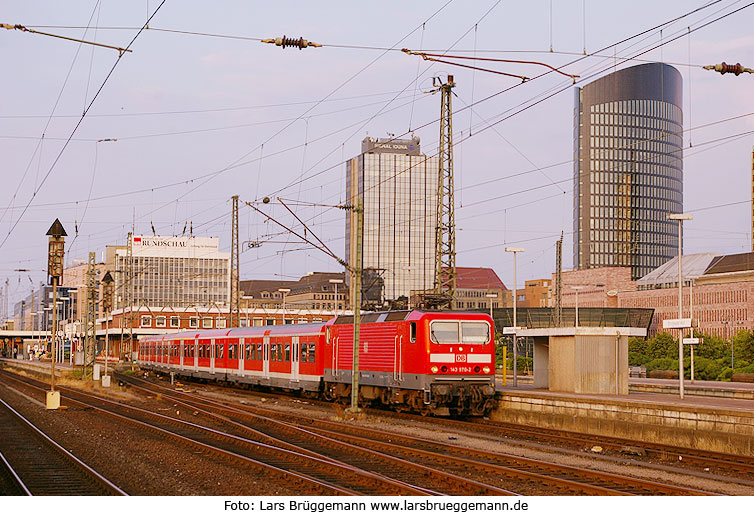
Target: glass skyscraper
(628, 169)
(398, 187)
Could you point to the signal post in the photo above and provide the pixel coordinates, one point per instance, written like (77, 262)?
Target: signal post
(55, 253)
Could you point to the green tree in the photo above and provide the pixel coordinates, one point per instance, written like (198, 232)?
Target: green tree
(712, 346)
(637, 351)
(743, 348)
(663, 345)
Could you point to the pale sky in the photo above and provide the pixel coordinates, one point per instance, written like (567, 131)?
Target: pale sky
(200, 118)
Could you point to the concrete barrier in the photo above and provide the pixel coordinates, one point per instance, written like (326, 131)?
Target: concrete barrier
(709, 429)
(694, 390)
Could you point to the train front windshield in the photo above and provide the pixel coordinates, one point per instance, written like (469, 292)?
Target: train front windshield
(455, 332)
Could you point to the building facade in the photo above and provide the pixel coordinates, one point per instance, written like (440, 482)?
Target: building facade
(537, 293)
(170, 271)
(722, 286)
(628, 169)
(315, 291)
(480, 288)
(398, 188)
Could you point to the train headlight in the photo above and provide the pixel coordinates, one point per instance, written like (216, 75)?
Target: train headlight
(486, 369)
(433, 369)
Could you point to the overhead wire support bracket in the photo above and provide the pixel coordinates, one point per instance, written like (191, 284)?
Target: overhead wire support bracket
(284, 42)
(26, 29)
(303, 238)
(434, 57)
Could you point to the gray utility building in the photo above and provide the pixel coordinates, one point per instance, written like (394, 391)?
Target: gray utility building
(628, 168)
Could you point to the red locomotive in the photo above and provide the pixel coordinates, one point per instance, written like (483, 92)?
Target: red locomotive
(439, 363)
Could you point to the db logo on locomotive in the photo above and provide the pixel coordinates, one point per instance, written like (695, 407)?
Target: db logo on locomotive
(460, 358)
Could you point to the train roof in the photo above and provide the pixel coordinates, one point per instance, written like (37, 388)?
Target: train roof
(413, 314)
(288, 329)
(316, 327)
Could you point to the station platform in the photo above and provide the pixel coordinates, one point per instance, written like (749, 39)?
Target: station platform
(723, 424)
(723, 389)
(697, 388)
(42, 367)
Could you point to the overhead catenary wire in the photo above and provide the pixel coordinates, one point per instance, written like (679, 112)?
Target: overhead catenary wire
(65, 146)
(178, 183)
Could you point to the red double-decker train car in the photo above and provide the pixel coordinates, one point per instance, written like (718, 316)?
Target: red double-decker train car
(430, 362)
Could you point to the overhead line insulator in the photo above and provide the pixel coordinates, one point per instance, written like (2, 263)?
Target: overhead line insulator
(284, 42)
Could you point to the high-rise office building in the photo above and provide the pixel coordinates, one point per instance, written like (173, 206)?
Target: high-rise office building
(398, 188)
(628, 169)
(171, 271)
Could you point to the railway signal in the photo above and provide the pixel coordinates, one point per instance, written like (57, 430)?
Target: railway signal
(55, 253)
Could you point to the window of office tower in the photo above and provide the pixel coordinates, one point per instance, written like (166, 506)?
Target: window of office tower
(635, 174)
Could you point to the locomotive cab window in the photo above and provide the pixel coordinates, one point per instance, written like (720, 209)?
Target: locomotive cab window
(450, 332)
(475, 332)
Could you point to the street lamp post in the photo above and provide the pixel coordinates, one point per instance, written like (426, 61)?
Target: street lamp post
(680, 218)
(576, 289)
(491, 296)
(335, 283)
(284, 291)
(515, 330)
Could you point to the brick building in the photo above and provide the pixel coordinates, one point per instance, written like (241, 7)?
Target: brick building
(537, 293)
(723, 291)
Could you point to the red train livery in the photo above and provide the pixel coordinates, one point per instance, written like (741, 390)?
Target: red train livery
(431, 362)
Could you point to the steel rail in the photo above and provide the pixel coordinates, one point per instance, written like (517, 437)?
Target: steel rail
(283, 462)
(701, 458)
(441, 482)
(16, 486)
(596, 481)
(56, 478)
(578, 480)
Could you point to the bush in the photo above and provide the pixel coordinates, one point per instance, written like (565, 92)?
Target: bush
(663, 364)
(726, 374)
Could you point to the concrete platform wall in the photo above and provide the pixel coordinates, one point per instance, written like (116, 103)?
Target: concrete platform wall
(693, 390)
(727, 431)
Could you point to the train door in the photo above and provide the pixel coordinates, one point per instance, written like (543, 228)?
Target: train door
(181, 352)
(398, 357)
(266, 356)
(295, 358)
(231, 354)
(212, 356)
(241, 355)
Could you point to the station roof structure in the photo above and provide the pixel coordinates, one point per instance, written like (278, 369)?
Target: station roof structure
(694, 265)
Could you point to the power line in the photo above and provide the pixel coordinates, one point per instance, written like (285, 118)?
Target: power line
(65, 146)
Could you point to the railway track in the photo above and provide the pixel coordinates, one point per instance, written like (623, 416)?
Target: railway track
(704, 462)
(412, 474)
(483, 466)
(33, 464)
(737, 464)
(311, 472)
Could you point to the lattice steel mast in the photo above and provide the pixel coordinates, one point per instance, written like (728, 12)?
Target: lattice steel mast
(235, 283)
(445, 229)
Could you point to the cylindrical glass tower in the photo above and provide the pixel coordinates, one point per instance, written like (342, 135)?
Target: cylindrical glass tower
(628, 169)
